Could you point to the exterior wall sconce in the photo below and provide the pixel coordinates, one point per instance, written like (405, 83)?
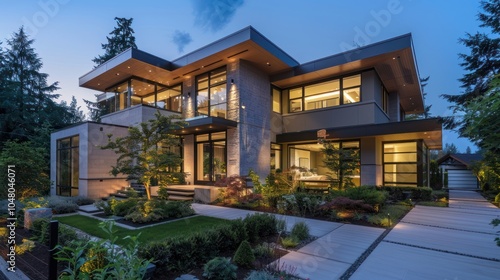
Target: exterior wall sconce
(232, 81)
(189, 93)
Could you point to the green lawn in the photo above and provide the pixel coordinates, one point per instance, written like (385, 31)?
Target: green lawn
(177, 228)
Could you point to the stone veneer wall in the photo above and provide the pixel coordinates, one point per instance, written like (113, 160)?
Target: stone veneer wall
(254, 128)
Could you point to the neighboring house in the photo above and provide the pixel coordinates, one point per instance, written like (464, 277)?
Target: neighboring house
(251, 106)
(459, 168)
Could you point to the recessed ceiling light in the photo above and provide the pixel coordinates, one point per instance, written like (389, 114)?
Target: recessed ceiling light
(128, 67)
(117, 74)
(268, 64)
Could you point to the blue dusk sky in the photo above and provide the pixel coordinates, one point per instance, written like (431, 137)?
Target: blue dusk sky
(69, 33)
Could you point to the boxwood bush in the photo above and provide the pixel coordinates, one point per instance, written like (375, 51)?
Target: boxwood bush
(415, 193)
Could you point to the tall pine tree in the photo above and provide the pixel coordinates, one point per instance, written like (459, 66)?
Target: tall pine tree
(482, 63)
(27, 101)
(122, 38)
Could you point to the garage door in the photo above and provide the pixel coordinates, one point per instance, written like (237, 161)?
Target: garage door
(461, 179)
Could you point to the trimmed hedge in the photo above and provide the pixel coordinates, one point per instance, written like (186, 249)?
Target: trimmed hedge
(415, 193)
(183, 253)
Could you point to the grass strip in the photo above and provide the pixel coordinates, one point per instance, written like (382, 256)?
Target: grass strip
(182, 227)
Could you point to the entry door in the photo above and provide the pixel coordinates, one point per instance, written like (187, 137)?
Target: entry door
(211, 158)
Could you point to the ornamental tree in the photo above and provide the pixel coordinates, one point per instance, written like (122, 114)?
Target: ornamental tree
(150, 152)
(342, 162)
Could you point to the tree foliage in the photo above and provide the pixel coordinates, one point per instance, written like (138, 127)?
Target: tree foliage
(482, 63)
(149, 152)
(32, 178)
(427, 108)
(121, 38)
(29, 112)
(342, 162)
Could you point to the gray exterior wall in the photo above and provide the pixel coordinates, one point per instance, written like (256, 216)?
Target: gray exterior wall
(134, 115)
(95, 163)
(254, 127)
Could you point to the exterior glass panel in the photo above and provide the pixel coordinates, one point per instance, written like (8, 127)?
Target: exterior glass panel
(210, 157)
(401, 164)
(325, 94)
(211, 95)
(67, 166)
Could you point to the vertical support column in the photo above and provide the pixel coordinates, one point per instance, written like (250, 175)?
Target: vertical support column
(129, 93)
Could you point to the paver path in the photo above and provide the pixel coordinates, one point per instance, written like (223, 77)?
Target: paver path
(338, 245)
(439, 243)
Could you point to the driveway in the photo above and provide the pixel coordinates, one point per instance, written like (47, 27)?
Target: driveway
(439, 243)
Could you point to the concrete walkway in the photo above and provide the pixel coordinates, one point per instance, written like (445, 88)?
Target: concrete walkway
(337, 248)
(439, 243)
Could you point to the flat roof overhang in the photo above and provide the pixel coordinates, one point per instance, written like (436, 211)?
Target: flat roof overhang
(199, 125)
(129, 63)
(393, 60)
(429, 130)
(247, 44)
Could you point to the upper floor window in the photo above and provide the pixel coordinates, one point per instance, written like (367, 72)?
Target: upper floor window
(276, 96)
(211, 95)
(325, 94)
(135, 92)
(385, 100)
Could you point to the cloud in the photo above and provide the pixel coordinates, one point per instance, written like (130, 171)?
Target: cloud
(181, 39)
(215, 14)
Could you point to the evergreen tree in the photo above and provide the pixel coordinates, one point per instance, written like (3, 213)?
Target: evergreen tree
(96, 110)
(27, 100)
(122, 38)
(482, 63)
(427, 109)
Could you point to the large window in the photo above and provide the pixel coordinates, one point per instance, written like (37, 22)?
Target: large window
(141, 92)
(308, 161)
(210, 157)
(325, 94)
(67, 166)
(211, 96)
(400, 164)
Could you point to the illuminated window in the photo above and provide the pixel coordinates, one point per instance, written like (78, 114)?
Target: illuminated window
(211, 96)
(276, 96)
(400, 164)
(325, 94)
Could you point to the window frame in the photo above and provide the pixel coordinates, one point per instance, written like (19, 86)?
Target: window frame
(341, 92)
(208, 89)
(68, 190)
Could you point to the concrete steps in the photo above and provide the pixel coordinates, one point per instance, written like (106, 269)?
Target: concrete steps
(182, 194)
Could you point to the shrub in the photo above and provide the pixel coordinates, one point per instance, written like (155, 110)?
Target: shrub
(26, 246)
(233, 234)
(80, 200)
(289, 242)
(104, 206)
(244, 256)
(123, 207)
(263, 250)
(497, 198)
(307, 203)
(220, 269)
(260, 225)
(369, 194)
(300, 231)
(235, 187)
(343, 203)
(62, 205)
(417, 193)
(95, 260)
(41, 232)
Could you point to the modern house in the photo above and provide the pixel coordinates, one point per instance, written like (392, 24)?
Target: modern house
(459, 170)
(251, 106)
